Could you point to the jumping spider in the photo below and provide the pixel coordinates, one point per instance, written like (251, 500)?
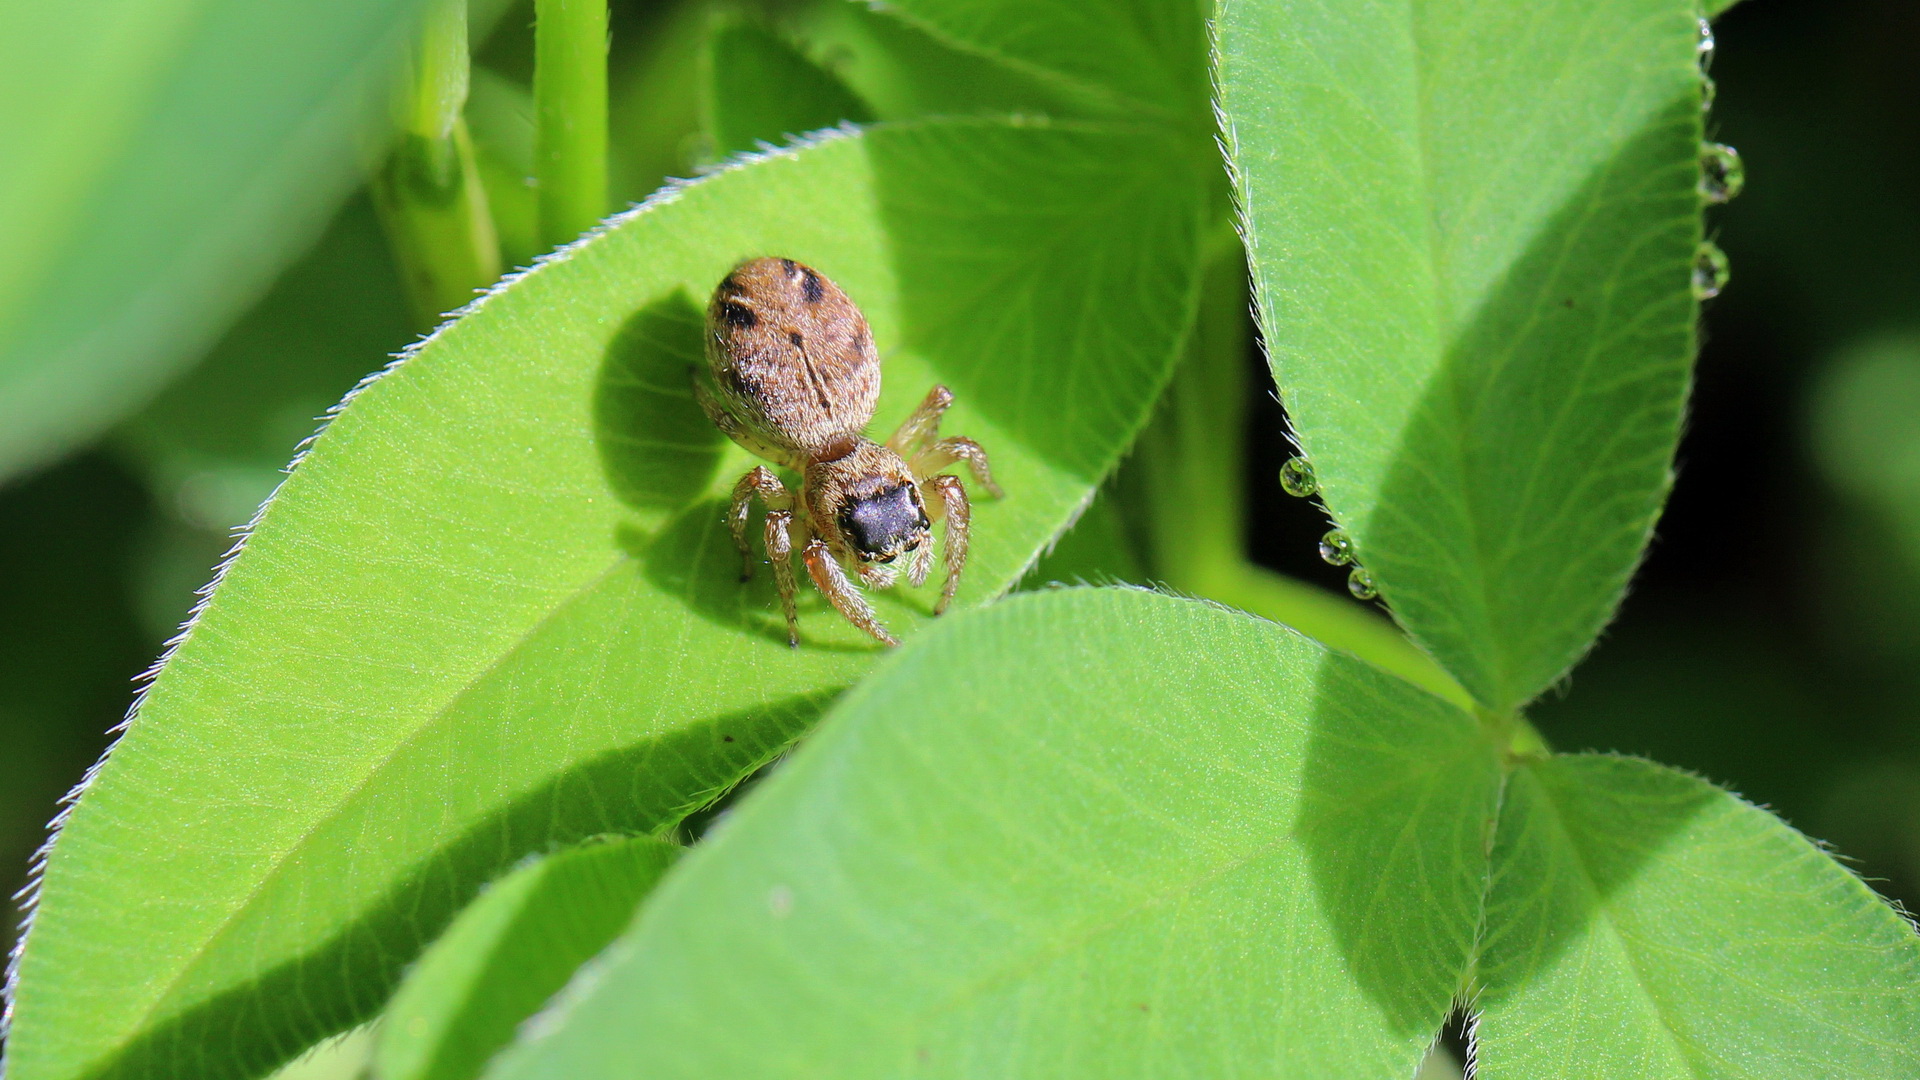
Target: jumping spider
(792, 375)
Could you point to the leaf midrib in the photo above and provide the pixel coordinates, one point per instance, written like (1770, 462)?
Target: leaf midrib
(1444, 328)
(559, 602)
(1487, 551)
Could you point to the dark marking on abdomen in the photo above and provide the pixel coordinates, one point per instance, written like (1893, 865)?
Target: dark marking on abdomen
(738, 315)
(820, 395)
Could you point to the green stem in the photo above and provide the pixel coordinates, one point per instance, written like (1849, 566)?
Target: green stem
(1517, 739)
(429, 190)
(570, 109)
(1191, 459)
(1194, 464)
(442, 72)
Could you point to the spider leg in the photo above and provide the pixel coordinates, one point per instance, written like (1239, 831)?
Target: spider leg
(920, 429)
(921, 566)
(780, 553)
(844, 596)
(758, 481)
(953, 505)
(877, 576)
(959, 448)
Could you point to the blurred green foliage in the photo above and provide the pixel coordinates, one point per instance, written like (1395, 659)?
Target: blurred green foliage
(1772, 642)
(164, 159)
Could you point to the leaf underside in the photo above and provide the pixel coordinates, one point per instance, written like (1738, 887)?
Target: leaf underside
(1044, 841)
(1645, 923)
(1471, 228)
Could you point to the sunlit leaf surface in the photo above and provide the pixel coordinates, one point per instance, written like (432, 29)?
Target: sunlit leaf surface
(496, 607)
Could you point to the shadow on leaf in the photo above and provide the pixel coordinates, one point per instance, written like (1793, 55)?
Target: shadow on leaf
(231, 1035)
(693, 558)
(1574, 831)
(658, 448)
(1574, 357)
(1400, 807)
(1544, 440)
(1397, 801)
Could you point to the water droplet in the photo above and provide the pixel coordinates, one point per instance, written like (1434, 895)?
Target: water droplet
(1360, 584)
(1297, 479)
(1336, 548)
(1710, 271)
(1703, 46)
(1708, 91)
(1721, 174)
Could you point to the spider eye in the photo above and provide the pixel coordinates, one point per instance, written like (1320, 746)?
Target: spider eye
(881, 524)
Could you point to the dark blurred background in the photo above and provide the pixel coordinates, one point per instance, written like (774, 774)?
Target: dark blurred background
(1771, 643)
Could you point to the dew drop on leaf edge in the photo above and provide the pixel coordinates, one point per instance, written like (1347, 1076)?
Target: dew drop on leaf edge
(1360, 584)
(1709, 90)
(1297, 479)
(1336, 548)
(1722, 176)
(1703, 47)
(1710, 271)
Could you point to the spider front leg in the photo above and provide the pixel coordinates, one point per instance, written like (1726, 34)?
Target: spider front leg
(842, 593)
(779, 535)
(959, 448)
(947, 497)
(916, 431)
(918, 441)
(758, 481)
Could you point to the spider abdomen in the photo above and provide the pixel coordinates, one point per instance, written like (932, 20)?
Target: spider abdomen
(792, 361)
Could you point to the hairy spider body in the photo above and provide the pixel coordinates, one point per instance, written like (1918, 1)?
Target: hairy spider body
(792, 375)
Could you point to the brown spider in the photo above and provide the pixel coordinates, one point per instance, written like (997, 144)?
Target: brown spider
(793, 377)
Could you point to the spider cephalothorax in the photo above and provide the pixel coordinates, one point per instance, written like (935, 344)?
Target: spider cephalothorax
(792, 375)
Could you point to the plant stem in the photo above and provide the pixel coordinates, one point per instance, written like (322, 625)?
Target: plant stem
(570, 109)
(1517, 740)
(1192, 458)
(442, 72)
(429, 191)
